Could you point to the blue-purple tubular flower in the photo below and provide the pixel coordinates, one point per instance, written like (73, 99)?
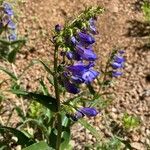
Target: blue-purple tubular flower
(12, 37)
(89, 76)
(83, 73)
(78, 69)
(89, 112)
(119, 59)
(8, 9)
(7, 21)
(73, 55)
(82, 57)
(57, 28)
(116, 73)
(73, 40)
(70, 87)
(85, 111)
(86, 53)
(92, 26)
(86, 38)
(11, 25)
(118, 63)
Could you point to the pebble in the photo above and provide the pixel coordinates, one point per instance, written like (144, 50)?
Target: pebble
(138, 146)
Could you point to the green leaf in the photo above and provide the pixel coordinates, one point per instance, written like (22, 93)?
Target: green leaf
(12, 55)
(130, 121)
(12, 75)
(47, 101)
(20, 113)
(47, 68)
(22, 138)
(91, 89)
(125, 142)
(146, 10)
(39, 146)
(93, 131)
(18, 42)
(44, 88)
(37, 123)
(2, 97)
(5, 42)
(66, 135)
(112, 144)
(2, 147)
(53, 138)
(100, 102)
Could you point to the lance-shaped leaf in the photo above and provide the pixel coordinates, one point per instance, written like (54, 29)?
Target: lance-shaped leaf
(66, 135)
(42, 145)
(12, 75)
(93, 131)
(22, 138)
(47, 101)
(47, 68)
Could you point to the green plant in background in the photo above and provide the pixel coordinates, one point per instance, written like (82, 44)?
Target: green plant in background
(10, 44)
(146, 10)
(45, 122)
(130, 121)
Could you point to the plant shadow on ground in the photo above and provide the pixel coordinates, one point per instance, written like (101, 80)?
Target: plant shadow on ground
(138, 4)
(140, 30)
(3, 50)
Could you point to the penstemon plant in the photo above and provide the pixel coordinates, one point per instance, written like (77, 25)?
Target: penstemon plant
(10, 44)
(47, 121)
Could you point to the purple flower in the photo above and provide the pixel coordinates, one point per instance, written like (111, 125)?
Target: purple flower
(86, 38)
(8, 9)
(79, 68)
(86, 53)
(80, 49)
(12, 37)
(73, 55)
(119, 59)
(116, 73)
(11, 25)
(77, 116)
(83, 73)
(116, 65)
(77, 79)
(121, 52)
(89, 112)
(57, 28)
(89, 76)
(92, 26)
(85, 111)
(70, 87)
(73, 40)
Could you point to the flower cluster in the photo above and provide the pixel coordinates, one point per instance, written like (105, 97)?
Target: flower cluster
(85, 111)
(117, 64)
(6, 21)
(81, 56)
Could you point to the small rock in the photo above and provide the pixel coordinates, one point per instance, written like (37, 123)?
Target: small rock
(138, 146)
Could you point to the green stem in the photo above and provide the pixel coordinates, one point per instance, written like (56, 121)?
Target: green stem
(56, 86)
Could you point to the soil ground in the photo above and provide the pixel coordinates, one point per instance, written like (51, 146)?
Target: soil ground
(120, 26)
